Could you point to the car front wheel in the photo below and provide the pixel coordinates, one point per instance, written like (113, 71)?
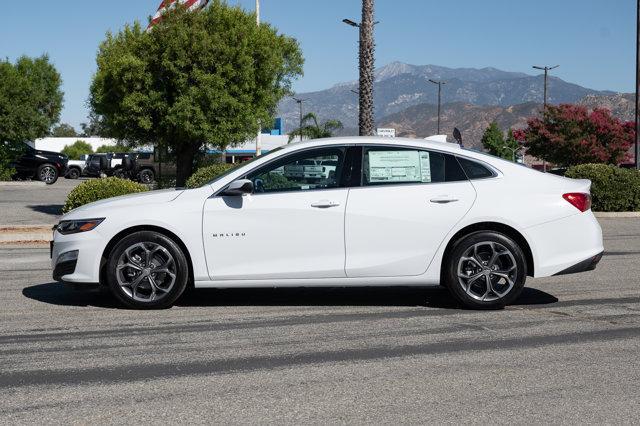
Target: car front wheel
(486, 270)
(73, 173)
(48, 174)
(146, 176)
(147, 270)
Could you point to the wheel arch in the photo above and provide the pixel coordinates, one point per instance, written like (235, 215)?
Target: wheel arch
(116, 238)
(497, 227)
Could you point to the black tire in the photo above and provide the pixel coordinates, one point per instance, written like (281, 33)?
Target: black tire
(481, 247)
(47, 173)
(120, 173)
(146, 176)
(123, 294)
(73, 173)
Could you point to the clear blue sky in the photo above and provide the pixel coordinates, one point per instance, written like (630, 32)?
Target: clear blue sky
(592, 40)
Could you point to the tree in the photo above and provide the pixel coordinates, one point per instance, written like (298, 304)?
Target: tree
(64, 130)
(95, 127)
(312, 130)
(30, 103)
(197, 78)
(366, 65)
(118, 147)
(78, 148)
(568, 135)
(493, 139)
(511, 146)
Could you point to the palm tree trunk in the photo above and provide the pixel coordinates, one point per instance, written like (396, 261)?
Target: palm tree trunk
(366, 121)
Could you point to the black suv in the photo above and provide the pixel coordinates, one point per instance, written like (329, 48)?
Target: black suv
(45, 166)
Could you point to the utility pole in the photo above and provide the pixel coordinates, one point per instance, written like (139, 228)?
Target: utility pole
(637, 156)
(259, 135)
(299, 102)
(440, 83)
(366, 67)
(544, 99)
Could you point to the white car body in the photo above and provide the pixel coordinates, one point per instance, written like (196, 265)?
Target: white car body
(360, 236)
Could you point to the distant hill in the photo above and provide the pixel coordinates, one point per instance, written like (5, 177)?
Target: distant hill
(421, 120)
(621, 105)
(399, 86)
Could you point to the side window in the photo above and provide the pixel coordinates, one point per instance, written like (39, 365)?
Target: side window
(390, 165)
(475, 170)
(317, 169)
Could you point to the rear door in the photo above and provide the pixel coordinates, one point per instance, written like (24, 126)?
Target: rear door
(408, 202)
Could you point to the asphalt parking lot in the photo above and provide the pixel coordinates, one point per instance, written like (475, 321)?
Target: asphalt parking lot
(566, 352)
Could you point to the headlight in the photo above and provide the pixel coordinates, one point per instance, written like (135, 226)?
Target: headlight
(66, 227)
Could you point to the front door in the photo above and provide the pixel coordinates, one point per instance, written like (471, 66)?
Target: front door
(292, 226)
(409, 201)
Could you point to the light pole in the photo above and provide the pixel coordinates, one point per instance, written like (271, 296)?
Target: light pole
(366, 121)
(440, 83)
(259, 135)
(544, 98)
(299, 102)
(546, 76)
(513, 151)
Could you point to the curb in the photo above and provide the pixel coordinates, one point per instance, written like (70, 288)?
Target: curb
(35, 183)
(25, 233)
(616, 215)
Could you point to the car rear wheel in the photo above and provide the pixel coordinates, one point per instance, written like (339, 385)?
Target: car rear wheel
(486, 270)
(73, 173)
(147, 270)
(146, 176)
(47, 173)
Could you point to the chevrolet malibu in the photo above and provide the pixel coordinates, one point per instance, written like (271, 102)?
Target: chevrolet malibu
(394, 212)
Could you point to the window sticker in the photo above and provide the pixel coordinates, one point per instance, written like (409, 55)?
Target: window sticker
(399, 166)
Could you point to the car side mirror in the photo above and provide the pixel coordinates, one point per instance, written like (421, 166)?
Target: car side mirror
(239, 187)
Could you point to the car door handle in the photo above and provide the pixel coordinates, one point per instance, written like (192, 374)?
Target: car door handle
(443, 200)
(324, 204)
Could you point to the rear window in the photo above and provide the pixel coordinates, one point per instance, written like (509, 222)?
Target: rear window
(475, 170)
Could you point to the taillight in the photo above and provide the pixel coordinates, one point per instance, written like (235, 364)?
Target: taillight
(579, 200)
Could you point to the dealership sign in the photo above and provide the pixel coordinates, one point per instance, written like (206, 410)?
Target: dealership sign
(387, 133)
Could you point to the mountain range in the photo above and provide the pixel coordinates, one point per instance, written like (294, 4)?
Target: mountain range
(402, 91)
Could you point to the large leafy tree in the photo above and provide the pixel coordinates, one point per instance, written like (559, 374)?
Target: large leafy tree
(568, 135)
(196, 78)
(311, 129)
(64, 130)
(30, 103)
(493, 139)
(76, 149)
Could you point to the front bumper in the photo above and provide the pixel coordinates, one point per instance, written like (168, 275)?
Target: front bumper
(85, 268)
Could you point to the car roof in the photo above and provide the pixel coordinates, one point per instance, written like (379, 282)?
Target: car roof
(377, 140)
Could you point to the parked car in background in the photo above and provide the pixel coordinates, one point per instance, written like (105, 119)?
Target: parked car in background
(396, 212)
(148, 168)
(45, 166)
(118, 164)
(76, 168)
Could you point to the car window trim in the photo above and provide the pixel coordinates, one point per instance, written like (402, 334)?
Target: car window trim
(219, 192)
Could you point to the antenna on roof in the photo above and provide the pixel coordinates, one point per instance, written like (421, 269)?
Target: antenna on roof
(457, 136)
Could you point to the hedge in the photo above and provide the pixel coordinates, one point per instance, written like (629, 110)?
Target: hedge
(99, 189)
(613, 189)
(207, 173)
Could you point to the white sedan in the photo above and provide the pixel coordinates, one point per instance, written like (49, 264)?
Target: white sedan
(396, 212)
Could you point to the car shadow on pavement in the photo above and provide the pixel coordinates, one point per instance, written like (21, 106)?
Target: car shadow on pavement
(429, 297)
(50, 209)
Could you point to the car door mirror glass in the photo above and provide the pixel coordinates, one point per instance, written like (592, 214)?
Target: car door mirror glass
(239, 187)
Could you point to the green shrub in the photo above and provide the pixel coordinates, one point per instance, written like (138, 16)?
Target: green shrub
(78, 148)
(613, 189)
(99, 189)
(205, 174)
(6, 173)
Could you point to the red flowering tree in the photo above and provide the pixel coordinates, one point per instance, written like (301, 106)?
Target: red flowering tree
(568, 135)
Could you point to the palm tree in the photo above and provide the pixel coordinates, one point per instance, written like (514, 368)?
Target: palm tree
(312, 130)
(366, 63)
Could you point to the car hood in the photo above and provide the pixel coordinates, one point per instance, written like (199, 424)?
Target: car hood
(102, 207)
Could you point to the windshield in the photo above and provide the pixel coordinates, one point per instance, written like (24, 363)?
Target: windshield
(241, 165)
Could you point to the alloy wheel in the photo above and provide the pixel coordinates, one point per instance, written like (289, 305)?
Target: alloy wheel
(487, 271)
(47, 174)
(146, 272)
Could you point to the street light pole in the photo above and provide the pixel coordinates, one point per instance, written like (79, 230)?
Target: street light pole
(299, 102)
(440, 83)
(546, 77)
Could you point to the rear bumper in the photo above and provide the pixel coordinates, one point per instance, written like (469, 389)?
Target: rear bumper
(586, 265)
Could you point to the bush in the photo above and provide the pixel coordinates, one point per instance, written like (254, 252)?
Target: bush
(205, 174)
(99, 189)
(77, 149)
(613, 189)
(6, 173)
